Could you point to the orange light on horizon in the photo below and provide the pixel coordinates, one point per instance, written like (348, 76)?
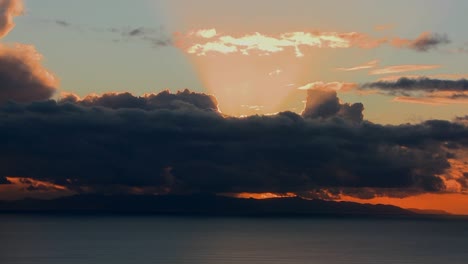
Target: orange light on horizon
(260, 196)
(21, 187)
(455, 203)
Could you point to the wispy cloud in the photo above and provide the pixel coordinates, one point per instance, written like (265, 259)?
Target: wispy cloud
(415, 100)
(157, 37)
(62, 23)
(367, 65)
(404, 68)
(463, 49)
(430, 100)
(425, 42)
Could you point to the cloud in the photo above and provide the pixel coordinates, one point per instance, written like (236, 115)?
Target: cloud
(425, 42)
(157, 37)
(367, 65)
(20, 188)
(420, 84)
(423, 90)
(413, 100)
(8, 10)
(203, 42)
(335, 86)
(324, 104)
(62, 23)
(113, 148)
(22, 77)
(163, 100)
(403, 68)
(444, 76)
(206, 33)
(209, 41)
(433, 99)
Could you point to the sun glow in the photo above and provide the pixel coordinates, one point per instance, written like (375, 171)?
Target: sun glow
(238, 81)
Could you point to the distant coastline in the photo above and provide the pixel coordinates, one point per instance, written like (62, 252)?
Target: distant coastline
(213, 206)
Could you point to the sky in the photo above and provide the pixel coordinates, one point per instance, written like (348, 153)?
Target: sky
(88, 58)
(385, 80)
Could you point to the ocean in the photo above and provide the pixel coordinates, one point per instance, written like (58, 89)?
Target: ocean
(26, 239)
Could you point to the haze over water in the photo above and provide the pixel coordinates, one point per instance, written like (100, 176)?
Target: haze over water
(115, 240)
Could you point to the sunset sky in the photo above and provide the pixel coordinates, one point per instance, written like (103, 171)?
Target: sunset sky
(87, 45)
(376, 91)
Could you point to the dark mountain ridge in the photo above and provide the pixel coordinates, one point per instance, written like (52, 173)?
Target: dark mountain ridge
(201, 205)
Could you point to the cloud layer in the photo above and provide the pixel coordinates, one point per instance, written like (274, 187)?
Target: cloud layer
(163, 100)
(420, 84)
(423, 90)
(127, 147)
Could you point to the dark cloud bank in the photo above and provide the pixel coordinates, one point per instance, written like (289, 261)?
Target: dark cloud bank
(180, 144)
(420, 84)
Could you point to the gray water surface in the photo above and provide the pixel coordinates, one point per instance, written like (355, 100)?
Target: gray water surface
(115, 240)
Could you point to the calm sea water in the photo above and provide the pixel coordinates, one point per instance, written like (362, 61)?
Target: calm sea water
(138, 240)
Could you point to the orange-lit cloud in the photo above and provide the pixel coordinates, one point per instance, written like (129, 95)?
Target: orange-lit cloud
(335, 86)
(24, 78)
(8, 10)
(367, 65)
(404, 68)
(20, 188)
(203, 42)
(206, 41)
(453, 200)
